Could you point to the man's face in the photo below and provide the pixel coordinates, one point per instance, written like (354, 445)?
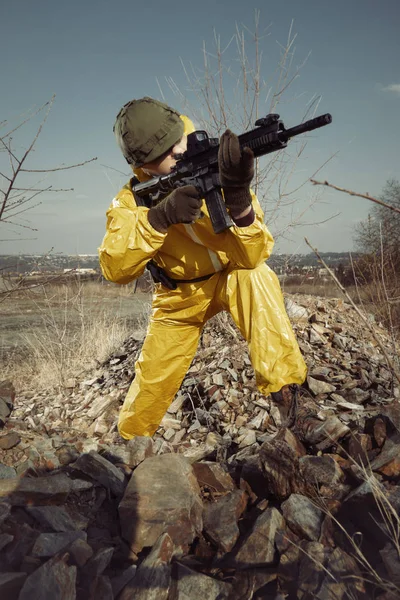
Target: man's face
(164, 164)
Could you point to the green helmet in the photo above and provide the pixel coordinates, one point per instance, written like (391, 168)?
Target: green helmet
(145, 129)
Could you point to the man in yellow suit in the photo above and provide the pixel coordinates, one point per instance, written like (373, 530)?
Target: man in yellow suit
(212, 272)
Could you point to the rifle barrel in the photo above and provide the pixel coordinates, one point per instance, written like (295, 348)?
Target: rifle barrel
(320, 121)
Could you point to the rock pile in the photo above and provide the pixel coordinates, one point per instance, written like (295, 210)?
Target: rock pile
(224, 502)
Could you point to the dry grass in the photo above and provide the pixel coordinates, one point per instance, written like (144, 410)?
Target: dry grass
(66, 330)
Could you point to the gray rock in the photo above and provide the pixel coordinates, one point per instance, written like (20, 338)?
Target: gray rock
(11, 584)
(321, 470)
(303, 517)
(391, 560)
(22, 544)
(311, 569)
(213, 476)
(98, 564)
(5, 510)
(221, 519)
(9, 440)
(320, 387)
(344, 579)
(162, 496)
(120, 581)
(80, 552)
(7, 472)
(101, 589)
(133, 452)
(5, 539)
(55, 518)
(388, 460)
(295, 312)
(153, 577)
(38, 490)
(259, 546)
(49, 544)
(54, 580)
(315, 338)
(191, 585)
(101, 470)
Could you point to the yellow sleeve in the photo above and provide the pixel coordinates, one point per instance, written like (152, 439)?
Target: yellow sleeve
(247, 247)
(130, 241)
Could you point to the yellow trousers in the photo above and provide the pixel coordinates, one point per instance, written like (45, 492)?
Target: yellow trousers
(254, 299)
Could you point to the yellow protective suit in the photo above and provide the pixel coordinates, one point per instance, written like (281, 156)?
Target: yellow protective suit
(241, 283)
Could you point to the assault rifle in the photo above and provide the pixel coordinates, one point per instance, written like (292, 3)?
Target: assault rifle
(198, 166)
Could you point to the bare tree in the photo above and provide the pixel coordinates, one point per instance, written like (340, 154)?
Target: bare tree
(21, 186)
(231, 90)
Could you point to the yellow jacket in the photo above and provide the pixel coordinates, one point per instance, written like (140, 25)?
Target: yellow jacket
(184, 252)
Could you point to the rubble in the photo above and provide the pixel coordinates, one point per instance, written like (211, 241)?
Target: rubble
(223, 502)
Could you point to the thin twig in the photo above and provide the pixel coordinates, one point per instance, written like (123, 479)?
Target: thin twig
(351, 193)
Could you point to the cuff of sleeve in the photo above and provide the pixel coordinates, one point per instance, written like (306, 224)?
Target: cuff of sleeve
(246, 220)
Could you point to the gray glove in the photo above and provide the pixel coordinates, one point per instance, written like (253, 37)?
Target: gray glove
(236, 170)
(181, 206)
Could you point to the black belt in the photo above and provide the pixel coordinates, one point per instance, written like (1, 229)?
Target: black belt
(159, 276)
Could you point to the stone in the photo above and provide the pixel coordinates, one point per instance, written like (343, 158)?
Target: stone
(379, 431)
(54, 579)
(320, 387)
(281, 469)
(22, 544)
(5, 539)
(80, 552)
(315, 338)
(4, 412)
(344, 579)
(153, 577)
(258, 547)
(5, 510)
(7, 472)
(391, 560)
(193, 585)
(55, 518)
(101, 589)
(359, 446)
(162, 496)
(120, 581)
(49, 544)
(392, 412)
(7, 397)
(101, 470)
(294, 311)
(221, 519)
(291, 440)
(320, 470)
(97, 564)
(98, 407)
(9, 440)
(11, 584)
(311, 569)
(357, 395)
(213, 476)
(35, 491)
(388, 461)
(303, 517)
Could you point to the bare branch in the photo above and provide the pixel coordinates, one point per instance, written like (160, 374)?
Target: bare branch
(351, 193)
(58, 168)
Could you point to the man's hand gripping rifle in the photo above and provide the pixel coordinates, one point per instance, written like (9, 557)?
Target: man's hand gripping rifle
(198, 166)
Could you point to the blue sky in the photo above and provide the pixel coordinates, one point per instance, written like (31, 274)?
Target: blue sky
(95, 56)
